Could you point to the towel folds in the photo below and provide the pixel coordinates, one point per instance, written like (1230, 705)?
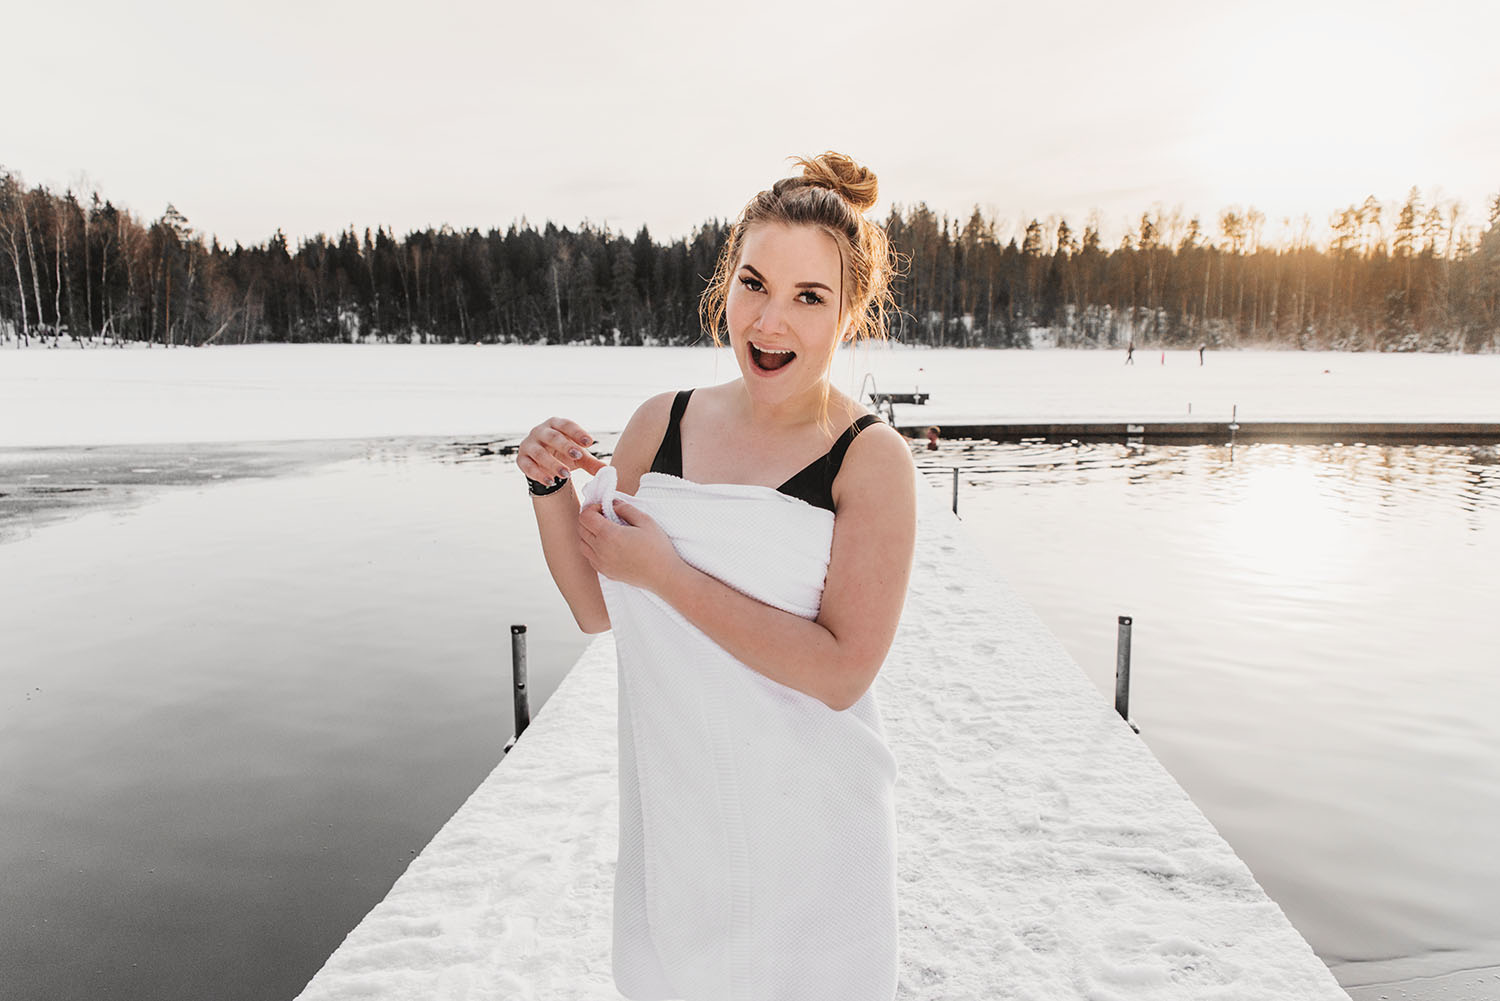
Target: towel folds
(757, 825)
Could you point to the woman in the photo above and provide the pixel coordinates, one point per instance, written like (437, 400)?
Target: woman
(753, 595)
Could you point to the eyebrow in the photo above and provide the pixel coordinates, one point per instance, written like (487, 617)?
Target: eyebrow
(762, 279)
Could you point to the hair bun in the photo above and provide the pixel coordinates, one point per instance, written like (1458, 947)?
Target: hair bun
(835, 171)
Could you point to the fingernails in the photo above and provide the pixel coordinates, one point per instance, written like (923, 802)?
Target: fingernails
(575, 453)
(562, 472)
(587, 440)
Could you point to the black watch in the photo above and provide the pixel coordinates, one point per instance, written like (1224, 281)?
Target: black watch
(543, 489)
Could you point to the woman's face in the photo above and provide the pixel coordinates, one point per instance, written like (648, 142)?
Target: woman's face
(783, 309)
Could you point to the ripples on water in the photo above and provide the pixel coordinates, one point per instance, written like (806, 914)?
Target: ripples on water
(1467, 475)
(1313, 659)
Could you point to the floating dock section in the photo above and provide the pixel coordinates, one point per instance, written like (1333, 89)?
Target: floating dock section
(1221, 432)
(1044, 853)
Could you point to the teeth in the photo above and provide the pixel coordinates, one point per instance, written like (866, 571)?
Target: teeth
(770, 351)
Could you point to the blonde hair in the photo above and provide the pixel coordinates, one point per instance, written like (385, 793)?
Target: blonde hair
(831, 193)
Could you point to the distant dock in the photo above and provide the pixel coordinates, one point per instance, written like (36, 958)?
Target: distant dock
(1220, 432)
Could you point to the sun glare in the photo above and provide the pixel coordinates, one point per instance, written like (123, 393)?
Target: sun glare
(1282, 523)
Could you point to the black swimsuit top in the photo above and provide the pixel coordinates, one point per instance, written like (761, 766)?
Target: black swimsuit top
(813, 484)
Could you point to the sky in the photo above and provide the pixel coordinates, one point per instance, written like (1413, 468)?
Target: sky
(314, 116)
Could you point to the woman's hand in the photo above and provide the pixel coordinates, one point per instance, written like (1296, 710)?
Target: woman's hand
(554, 448)
(638, 553)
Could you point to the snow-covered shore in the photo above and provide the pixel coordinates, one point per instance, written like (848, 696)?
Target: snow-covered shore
(1044, 853)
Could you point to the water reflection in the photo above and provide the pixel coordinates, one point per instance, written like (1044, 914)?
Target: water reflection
(1358, 475)
(1282, 519)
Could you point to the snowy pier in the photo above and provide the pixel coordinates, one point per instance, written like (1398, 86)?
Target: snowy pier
(1044, 853)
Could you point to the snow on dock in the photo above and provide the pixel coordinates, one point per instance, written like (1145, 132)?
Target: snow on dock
(1044, 853)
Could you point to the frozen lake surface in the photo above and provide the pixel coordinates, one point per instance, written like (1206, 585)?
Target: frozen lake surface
(264, 392)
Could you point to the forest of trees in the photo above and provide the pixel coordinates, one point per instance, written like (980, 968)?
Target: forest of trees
(1415, 279)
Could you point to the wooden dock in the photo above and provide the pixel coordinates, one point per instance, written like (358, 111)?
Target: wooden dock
(1220, 432)
(1043, 851)
(913, 398)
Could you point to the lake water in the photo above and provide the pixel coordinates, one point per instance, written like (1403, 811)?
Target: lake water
(231, 714)
(243, 685)
(1313, 659)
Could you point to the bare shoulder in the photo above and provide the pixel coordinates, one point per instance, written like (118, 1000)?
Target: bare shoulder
(874, 543)
(637, 444)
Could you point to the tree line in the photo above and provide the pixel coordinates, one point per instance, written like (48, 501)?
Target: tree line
(1412, 279)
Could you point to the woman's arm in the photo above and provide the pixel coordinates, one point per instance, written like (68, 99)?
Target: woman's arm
(834, 658)
(556, 518)
(544, 452)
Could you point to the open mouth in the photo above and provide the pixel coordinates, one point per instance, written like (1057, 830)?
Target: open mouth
(768, 360)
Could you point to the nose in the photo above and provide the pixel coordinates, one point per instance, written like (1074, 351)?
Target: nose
(772, 317)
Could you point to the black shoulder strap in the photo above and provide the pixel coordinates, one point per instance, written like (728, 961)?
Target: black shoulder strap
(669, 452)
(836, 453)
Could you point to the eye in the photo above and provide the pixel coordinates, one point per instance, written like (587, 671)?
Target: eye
(812, 298)
(750, 283)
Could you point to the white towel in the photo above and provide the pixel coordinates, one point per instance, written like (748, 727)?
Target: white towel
(757, 825)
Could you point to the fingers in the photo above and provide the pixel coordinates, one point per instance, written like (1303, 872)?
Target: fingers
(572, 430)
(630, 514)
(640, 516)
(554, 448)
(591, 522)
(537, 461)
(566, 440)
(596, 524)
(539, 464)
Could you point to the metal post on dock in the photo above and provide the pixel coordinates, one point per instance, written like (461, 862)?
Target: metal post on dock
(955, 490)
(1122, 672)
(519, 696)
